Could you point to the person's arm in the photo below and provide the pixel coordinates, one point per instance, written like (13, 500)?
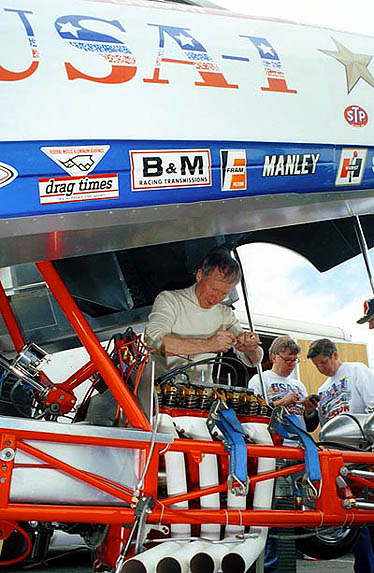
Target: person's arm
(365, 386)
(159, 335)
(310, 403)
(221, 341)
(290, 398)
(310, 415)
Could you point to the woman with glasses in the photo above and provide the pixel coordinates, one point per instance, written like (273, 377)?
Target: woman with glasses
(282, 389)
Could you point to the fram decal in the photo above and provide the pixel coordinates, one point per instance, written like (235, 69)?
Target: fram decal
(7, 174)
(233, 170)
(174, 168)
(70, 189)
(298, 164)
(77, 160)
(351, 166)
(356, 116)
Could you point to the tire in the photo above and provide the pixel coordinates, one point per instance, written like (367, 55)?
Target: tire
(328, 543)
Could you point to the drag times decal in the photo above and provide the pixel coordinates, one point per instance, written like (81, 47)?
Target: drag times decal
(351, 166)
(68, 189)
(233, 170)
(77, 160)
(176, 168)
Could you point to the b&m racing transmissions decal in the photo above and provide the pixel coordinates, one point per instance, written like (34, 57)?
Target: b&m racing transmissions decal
(170, 168)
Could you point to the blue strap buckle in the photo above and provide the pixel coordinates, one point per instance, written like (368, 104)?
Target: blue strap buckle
(226, 421)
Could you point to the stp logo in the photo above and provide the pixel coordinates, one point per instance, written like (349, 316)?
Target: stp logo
(356, 115)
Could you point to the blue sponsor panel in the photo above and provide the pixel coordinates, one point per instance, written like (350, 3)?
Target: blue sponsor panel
(67, 176)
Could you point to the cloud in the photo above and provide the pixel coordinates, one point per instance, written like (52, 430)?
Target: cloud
(284, 284)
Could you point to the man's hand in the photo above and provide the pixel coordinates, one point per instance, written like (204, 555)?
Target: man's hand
(221, 341)
(310, 404)
(247, 342)
(290, 398)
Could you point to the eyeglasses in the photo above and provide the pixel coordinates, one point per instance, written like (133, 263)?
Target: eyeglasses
(289, 360)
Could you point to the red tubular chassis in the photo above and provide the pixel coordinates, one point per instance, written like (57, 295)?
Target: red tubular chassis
(329, 507)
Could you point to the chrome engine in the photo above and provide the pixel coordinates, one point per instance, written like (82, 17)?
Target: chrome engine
(349, 431)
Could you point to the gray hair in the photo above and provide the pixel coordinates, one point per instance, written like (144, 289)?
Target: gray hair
(322, 346)
(220, 258)
(282, 343)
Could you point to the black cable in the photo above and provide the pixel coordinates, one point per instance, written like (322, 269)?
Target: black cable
(343, 446)
(352, 417)
(12, 400)
(182, 369)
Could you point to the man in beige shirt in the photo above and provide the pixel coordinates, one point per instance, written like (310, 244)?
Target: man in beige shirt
(190, 324)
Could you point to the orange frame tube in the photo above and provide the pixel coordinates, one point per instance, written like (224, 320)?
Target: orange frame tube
(97, 353)
(11, 321)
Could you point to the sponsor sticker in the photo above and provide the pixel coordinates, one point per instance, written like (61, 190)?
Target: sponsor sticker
(175, 168)
(351, 166)
(77, 160)
(71, 189)
(295, 164)
(356, 116)
(233, 170)
(7, 174)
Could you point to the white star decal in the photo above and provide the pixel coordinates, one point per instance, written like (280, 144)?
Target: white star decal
(69, 28)
(266, 49)
(185, 40)
(356, 65)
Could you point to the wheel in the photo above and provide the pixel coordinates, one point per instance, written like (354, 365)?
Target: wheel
(328, 543)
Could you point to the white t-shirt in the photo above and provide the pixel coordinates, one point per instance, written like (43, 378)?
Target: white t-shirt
(179, 312)
(351, 389)
(278, 386)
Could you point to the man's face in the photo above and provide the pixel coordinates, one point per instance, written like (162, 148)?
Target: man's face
(212, 289)
(327, 366)
(284, 362)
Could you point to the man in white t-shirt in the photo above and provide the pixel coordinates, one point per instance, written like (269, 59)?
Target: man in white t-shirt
(190, 324)
(349, 388)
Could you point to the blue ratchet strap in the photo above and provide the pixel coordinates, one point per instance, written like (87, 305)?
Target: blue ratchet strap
(233, 433)
(288, 426)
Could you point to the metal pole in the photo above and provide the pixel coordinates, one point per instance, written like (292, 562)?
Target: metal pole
(364, 250)
(250, 322)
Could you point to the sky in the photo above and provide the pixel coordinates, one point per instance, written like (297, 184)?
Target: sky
(355, 16)
(280, 282)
